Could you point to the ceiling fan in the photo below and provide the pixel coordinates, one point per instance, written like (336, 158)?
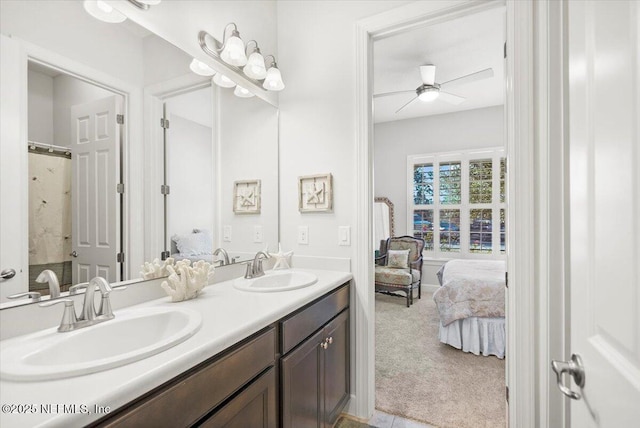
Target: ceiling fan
(430, 90)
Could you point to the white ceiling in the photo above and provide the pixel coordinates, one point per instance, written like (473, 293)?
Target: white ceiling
(457, 47)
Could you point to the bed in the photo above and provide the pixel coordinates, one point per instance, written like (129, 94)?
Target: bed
(471, 306)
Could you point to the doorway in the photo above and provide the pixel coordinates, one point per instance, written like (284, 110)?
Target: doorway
(442, 164)
(75, 141)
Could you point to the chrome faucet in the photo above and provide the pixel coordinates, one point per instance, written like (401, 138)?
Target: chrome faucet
(51, 278)
(89, 316)
(224, 254)
(254, 268)
(30, 294)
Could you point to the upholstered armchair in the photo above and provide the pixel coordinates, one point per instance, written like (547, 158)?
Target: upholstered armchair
(399, 266)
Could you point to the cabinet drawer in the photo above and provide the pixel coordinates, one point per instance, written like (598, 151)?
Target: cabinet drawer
(302, 324)
(203, 389)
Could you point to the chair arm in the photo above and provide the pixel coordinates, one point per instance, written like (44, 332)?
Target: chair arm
(417, 264)
(381, 261)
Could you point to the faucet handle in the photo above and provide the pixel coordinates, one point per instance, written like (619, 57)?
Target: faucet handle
(31, 294)
(68, 316)
(75, 288)
(105, 310)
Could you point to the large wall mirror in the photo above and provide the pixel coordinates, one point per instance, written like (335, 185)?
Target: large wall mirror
(117, 127)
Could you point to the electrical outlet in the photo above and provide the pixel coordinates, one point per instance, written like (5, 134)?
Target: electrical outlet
(303, 235)
(344, 235)
(226, 233)
(257, 234)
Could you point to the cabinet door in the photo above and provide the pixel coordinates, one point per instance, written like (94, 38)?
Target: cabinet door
(301, 385)
(253, 407)
(336, 368)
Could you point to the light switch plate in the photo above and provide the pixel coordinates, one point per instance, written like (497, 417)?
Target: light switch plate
(226, 233)
(303, 235)
(257, 234)
(344, 235)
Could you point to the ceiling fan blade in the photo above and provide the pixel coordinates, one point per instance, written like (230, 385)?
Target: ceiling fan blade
(428, 74)
(387, 94)
(451, 98)
(473, 77)
(412, 100)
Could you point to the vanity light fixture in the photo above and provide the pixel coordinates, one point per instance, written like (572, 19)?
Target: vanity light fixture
(201, 68)
(223, 81)
(103, 11)
(255, 67)
(273, 80)
(242, 92)
(232, 51)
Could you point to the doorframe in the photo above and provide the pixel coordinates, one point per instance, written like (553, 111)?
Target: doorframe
(131, 153)
(528, 307)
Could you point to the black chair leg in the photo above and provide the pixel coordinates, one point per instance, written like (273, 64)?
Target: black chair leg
(408, 304)
(419, 291)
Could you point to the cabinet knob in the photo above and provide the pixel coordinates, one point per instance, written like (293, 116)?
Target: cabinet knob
(330, 340)
(324, 345)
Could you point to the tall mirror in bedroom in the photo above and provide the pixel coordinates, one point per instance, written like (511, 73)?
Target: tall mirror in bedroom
(98, 184)
(383, 219)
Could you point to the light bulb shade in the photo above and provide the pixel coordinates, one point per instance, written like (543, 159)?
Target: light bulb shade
(242, 92)
(273, 81)
(201, 68)
(255, 67)
(103, 11)
(223, 81)
(429, 94)
(233, 52)
(149, 2)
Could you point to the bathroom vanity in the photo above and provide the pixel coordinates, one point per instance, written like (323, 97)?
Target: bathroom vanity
(259, 359)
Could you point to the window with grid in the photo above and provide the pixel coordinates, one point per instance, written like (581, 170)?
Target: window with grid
(457, 203)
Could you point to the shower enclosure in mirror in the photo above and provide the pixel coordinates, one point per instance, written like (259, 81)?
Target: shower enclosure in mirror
(108, 203)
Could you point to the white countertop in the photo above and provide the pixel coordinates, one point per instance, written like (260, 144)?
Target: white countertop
(228, 316)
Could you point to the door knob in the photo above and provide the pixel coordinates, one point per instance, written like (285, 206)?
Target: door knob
(74, 254)
(575, 369)
(7, 274)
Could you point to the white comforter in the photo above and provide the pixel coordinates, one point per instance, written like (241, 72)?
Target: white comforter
(471, 288)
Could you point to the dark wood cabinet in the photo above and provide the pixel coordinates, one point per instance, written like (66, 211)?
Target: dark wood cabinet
(215, 384)
(254, 407)
(294, 373)
(315, 373)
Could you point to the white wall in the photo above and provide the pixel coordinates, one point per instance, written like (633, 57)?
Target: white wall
(317, 114)
(40, 104)
(394, 141)
(248, 147)
(190, 161)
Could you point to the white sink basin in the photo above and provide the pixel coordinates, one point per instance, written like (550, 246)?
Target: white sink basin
(132, 335)
(279, 280)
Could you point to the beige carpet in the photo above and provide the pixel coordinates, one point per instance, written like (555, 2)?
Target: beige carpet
(419, 378)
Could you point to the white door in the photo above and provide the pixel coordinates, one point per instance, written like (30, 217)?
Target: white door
(13, 157)
(604, 85)
(95, 142)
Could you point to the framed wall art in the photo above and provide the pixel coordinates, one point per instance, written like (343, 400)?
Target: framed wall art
(246, 197)
(315, 193)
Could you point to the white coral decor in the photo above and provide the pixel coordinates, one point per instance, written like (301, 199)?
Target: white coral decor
(185, 281)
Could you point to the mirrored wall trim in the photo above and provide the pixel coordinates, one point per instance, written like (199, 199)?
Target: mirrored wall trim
(232, 72)
(387, 201)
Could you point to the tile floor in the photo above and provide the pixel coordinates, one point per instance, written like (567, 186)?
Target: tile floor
(381, 420)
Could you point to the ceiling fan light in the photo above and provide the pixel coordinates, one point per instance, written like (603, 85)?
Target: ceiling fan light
(201, 68)
(223, 81)
(273, 81)
(255, 67)
(103, 11)
(242, 92)
(429, 94)
(233, 51)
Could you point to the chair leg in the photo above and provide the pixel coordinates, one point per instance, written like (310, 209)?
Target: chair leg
(408, 304)
(419, 291)
(411, 291)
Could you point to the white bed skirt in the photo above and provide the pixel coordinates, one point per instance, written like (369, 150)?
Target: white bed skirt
(480, 336)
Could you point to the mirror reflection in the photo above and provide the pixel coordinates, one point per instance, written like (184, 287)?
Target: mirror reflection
(108, 186)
